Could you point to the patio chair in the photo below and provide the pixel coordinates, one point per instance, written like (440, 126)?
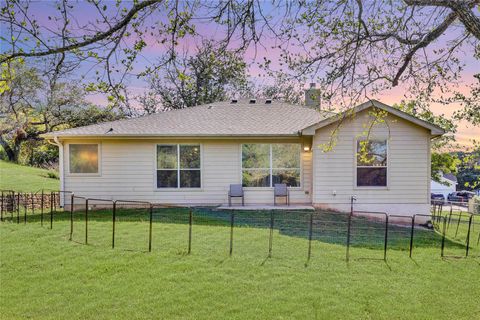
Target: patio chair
(236, 191)
(280, 190)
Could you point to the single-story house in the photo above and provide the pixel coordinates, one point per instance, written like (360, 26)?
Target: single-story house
(447, 184)
(191, 156)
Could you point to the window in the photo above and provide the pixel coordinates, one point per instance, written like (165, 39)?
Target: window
(83, 158)
(178, 166)
(371, 163)
(264, 165)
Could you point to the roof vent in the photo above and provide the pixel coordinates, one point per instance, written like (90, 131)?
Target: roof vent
(252, 101)
(234, 101)
(268, 101)
(210, 107)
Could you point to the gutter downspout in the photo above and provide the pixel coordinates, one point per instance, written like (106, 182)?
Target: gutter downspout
(60, 168)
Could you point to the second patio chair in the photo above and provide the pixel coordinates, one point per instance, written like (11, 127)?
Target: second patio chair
(236, 191)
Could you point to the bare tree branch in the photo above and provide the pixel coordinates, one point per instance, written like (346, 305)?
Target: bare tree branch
(101, 36)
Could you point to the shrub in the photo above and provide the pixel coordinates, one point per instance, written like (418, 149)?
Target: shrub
(52, 174)
(474, 205)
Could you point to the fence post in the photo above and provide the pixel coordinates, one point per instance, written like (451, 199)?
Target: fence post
(458, 223)
(232, 221)
(468, 234)
(25, 207)
(72, 197)
(478, 240)
(450, 216)
(51, 209)
(443, 235)
(18, 208)
(386, 238)
(1, 210)
(270, 241)
(440, 212)
(190, 222)
(310, 234)
(41, 209)
(114, 214)
(150, 231)
(349, 226)
(86, 221)
(411, 235)
(33, 204)
(13, 207)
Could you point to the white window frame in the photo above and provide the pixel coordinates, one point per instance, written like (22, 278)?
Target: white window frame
(178, 166)
(377, 139)
(271, 165)
(99, 160)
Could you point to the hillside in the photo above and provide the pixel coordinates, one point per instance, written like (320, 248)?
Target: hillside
(27, 179)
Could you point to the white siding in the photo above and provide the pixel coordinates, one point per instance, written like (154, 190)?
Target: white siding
(408, 176)
(128, 173)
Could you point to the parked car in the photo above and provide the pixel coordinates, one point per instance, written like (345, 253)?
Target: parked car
(437, 198)
(460, 196)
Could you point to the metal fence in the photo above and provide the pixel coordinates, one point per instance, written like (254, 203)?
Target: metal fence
(452, 231)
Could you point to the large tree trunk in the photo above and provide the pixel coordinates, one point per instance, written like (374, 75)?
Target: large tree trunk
(12, 153)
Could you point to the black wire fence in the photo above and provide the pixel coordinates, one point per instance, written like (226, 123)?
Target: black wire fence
(143, 226)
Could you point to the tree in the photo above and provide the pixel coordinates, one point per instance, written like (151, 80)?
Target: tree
(469, 168)
(355, 48)
(208, 76)
(33, 104)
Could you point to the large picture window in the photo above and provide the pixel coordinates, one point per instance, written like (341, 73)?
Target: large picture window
(371, 163)
(264, 165)
(83, 158)
(178, 166)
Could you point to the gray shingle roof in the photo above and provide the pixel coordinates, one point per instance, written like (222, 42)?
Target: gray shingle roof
(450, 177)
(215, 119)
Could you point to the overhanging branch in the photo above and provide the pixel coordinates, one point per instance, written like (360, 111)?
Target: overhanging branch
(99, 37)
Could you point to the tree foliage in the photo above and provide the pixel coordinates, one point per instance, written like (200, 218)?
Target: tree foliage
(353, 48)
(207, 76)
(32, 104)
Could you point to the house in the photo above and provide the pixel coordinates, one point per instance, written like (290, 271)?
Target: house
(191, 156)
(448, 184)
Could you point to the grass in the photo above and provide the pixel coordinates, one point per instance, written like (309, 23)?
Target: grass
(45, 276)
(26, 179)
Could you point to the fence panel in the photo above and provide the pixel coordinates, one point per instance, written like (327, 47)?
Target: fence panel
(79, 219)
(474, 237)
(7, 205)
(399, 232)
(99, 222)
(427, 236)
(170, 229)
(456, 234)
(328, 228)
(290, 234)
(252, 234)
(134, 235)
(211, 232)
(369, 235)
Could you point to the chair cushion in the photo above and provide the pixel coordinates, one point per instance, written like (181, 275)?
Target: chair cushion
(280, 189)
(236, 190)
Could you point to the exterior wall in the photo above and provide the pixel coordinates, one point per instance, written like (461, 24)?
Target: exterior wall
(440, 188)
(127, 172)
(408, 173)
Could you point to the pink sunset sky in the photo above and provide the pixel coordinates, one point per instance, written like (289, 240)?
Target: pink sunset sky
(466, 132)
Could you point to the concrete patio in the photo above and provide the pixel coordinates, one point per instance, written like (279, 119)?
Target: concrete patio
(269, 207)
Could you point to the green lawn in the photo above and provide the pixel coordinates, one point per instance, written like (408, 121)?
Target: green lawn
(45, 276)
(26, 179)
